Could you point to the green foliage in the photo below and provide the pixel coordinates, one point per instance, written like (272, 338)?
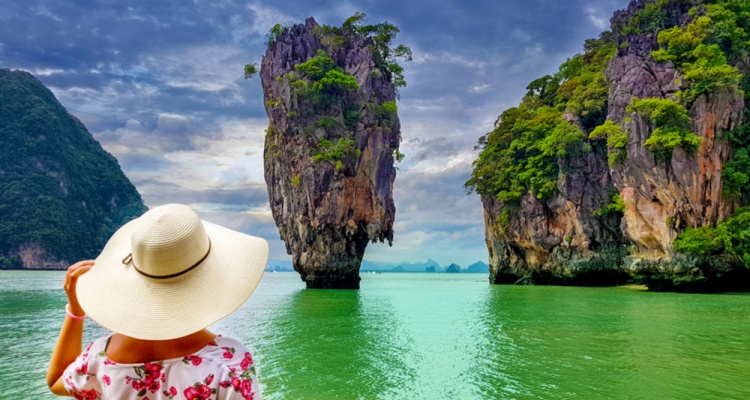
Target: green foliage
(336, 82)
(655, 16)
(250, 70)
(616, 206)
(388, 112)
(670, 125)
(617, 141)
(736, 173)
(388, 109)
(382, 36)
(397, 155)
(698, 50)
(580, 85)
(59, 189)
(295, 180)
(316, 67)
(701, 241)
(326, 122)
(352, 118)
(274, 33)
(731, 236)
(326, 150)
(520, 155)
(328, 83)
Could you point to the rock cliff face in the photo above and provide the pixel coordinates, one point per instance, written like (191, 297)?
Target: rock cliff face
(329, 167)
(559, 241)
(562, 241)
(662, 198)
(61, 195)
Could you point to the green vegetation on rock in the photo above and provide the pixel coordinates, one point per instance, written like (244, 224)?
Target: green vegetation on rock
(60, 191)
(731, 236)
(670, 125)
(617, 141)
(521, 154)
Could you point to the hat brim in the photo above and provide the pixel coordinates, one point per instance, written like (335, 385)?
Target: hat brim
(122, 300)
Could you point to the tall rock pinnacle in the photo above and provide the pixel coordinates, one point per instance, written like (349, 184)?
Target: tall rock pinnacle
(332, 138)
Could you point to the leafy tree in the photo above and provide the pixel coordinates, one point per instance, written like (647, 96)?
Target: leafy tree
(703, 64)
(670, 125)
(617, 140)
(731, 236)
(382, 35)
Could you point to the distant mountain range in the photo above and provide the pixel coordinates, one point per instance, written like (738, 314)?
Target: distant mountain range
(430, 265)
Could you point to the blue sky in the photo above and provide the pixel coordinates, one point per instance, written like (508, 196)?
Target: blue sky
(159, 84)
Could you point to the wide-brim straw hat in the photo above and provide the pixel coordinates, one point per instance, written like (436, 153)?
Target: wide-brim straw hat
(168, 274)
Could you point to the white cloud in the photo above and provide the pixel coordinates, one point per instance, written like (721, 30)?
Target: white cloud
(596, 17)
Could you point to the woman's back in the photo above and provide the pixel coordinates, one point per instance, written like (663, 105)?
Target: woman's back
(223, 369)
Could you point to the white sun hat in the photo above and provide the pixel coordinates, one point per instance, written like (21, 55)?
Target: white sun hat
(168, 274)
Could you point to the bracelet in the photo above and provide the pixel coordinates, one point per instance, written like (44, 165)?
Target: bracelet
(70, 314)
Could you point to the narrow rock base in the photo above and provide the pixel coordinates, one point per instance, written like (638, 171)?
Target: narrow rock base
(332, 282)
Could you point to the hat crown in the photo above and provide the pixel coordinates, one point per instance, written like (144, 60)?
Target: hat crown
(168, 240)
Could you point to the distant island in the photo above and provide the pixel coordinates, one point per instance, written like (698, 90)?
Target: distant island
(428, 266)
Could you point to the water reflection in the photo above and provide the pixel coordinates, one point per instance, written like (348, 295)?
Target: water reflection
(328, 344)
(436, 336)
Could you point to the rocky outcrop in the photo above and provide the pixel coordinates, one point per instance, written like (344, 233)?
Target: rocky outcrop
(662, 198)
(564, 241)
(560, 241)
(61, 195)
(328, 206)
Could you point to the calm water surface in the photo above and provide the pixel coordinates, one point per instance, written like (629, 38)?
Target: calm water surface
(438, 336)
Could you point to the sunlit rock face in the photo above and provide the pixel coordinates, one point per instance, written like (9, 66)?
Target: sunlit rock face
(328, 206)
(561, 241)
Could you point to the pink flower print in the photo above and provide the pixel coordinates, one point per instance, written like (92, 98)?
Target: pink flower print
(195, 360)
(107, 381)
(171, 393)
(192, 393)
(246, 362)
(90, 394)
(202, 392)
(228, 352)
(109, 362)
(83, 370)
(225, 384)
(151, 371)
(213, 343)
(246, 389)
(236, 383)
(209, 379)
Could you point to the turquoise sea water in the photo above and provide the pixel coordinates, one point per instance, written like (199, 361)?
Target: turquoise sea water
(438, 336)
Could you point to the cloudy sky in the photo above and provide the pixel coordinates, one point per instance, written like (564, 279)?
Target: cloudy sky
(159, 84)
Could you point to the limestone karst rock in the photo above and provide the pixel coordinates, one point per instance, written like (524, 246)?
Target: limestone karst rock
(572, 237)
(329, 154)
(61, 195)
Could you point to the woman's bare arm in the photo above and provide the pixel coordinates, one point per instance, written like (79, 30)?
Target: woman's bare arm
(68, 345)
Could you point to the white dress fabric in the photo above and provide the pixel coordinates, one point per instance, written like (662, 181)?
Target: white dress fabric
(222, 370)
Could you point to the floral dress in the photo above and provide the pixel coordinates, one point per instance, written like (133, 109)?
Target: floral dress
(222, 370)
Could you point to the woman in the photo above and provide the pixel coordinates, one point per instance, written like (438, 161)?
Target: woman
(160, 281)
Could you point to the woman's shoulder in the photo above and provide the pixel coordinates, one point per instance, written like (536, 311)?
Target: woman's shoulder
(97, 347)
(226, 341)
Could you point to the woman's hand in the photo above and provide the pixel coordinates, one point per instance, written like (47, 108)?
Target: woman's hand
(71, 279)
(68, 345)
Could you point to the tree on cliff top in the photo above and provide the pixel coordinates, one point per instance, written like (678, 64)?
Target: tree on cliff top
(382, 35)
